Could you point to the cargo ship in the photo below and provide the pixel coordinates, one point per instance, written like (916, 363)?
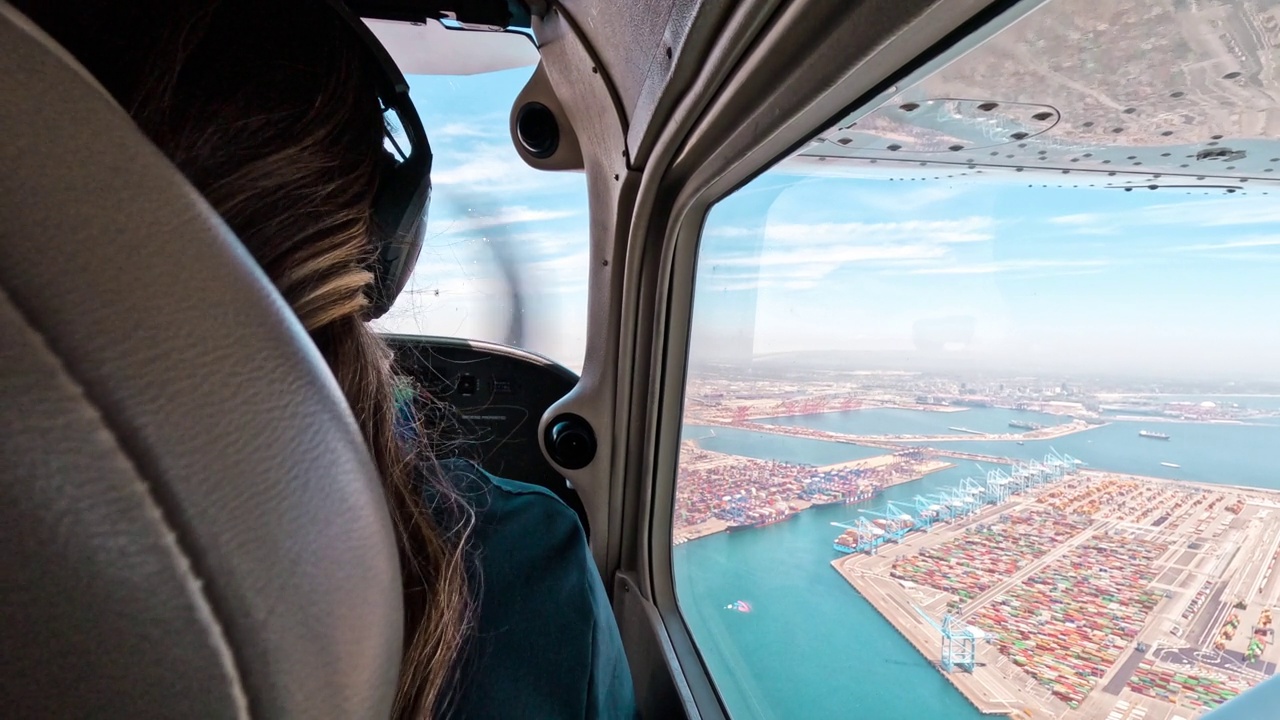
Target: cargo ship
(1152, 435)
(847, 543)
(843, 496)
(824, 498)
(760, 517)
(771, 519)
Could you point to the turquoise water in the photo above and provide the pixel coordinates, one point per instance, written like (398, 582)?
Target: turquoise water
(892, 421)
(812, 647)
(1207, 452)
(768, 446)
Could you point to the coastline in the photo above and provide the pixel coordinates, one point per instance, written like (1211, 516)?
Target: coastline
(1000, 682)
(891, 441)
(1202, 536)
(799, 505)
(979, 692)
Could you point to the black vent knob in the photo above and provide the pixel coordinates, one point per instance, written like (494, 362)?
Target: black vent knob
(571, 442)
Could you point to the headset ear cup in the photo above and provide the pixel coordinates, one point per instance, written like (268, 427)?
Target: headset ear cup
(404, 188)
(409, 252)
(400, 217)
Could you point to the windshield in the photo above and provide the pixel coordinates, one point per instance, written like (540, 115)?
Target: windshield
(983, 392)
(505, 257)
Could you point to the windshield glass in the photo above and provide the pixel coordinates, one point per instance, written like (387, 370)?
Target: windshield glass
(983, 392)
(505, 257)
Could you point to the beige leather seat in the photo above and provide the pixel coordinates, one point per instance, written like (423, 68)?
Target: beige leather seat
(190, 525)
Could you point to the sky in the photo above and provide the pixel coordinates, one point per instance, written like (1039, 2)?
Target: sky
(936, 274)
(486, 200)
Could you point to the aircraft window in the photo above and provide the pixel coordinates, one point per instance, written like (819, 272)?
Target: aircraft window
(505, 258)
(992, 432)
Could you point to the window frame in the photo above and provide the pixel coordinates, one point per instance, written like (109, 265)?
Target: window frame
(760, 140)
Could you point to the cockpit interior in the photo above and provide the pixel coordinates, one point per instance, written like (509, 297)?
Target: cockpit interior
(877, 359)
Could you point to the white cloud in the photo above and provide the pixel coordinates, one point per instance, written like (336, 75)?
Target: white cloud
(1244, 256)
(1219, 212)
(1002, 266)
(1080, 219)
(465, 129)
(498, 168)
(958, 230)
(823, 260)
(1254, 242)
(504, 216)
(797, 256)
(905, 197)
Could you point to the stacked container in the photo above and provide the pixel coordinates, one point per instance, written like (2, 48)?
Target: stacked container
(1200, 690)
(1067, 625)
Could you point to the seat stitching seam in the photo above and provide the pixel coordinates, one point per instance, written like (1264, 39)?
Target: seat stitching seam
(223, 640)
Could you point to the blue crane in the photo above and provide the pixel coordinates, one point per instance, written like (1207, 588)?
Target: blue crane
(959, 642)
(895, 521)
(1061, 464)
(930, 510)
(860, 536)
(974, 493)
(957, 501)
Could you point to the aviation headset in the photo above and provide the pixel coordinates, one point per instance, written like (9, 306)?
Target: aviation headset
(404, 187)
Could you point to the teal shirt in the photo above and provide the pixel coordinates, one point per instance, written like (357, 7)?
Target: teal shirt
(546, 643)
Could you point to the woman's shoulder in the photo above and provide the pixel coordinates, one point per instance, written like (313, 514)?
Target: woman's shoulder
(523, 533)
(499, 501)
(546, 644)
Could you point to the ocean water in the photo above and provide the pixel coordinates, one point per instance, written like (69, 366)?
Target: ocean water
(769, 446)
(1207, 452)
(894, 421)
(811, 647)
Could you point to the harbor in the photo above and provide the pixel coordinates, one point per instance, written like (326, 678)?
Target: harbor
(1178, 673)
(954, 434)
(1081, 594)
(719, 493)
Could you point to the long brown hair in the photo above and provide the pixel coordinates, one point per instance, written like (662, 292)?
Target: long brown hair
(269, 110)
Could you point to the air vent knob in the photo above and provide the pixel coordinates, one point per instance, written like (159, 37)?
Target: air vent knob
(571, 442)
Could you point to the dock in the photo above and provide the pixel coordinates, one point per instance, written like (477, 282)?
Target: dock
(1189, 563)
(988, 689)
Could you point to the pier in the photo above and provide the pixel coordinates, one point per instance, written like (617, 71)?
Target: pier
(1091, 596)
(961, 434)
(718, 492)
(990, 691)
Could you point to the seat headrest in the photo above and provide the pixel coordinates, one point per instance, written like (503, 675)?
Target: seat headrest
(191, 524)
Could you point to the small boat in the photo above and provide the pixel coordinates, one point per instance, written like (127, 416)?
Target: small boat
(1171, 465)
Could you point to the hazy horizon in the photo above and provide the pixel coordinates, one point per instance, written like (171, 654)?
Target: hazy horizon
(1011, 277)
(941, 274)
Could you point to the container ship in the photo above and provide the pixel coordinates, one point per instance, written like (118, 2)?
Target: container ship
(847, 496)
(862, 495)
(760, 517)
(1152, 435)
(769, 519)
